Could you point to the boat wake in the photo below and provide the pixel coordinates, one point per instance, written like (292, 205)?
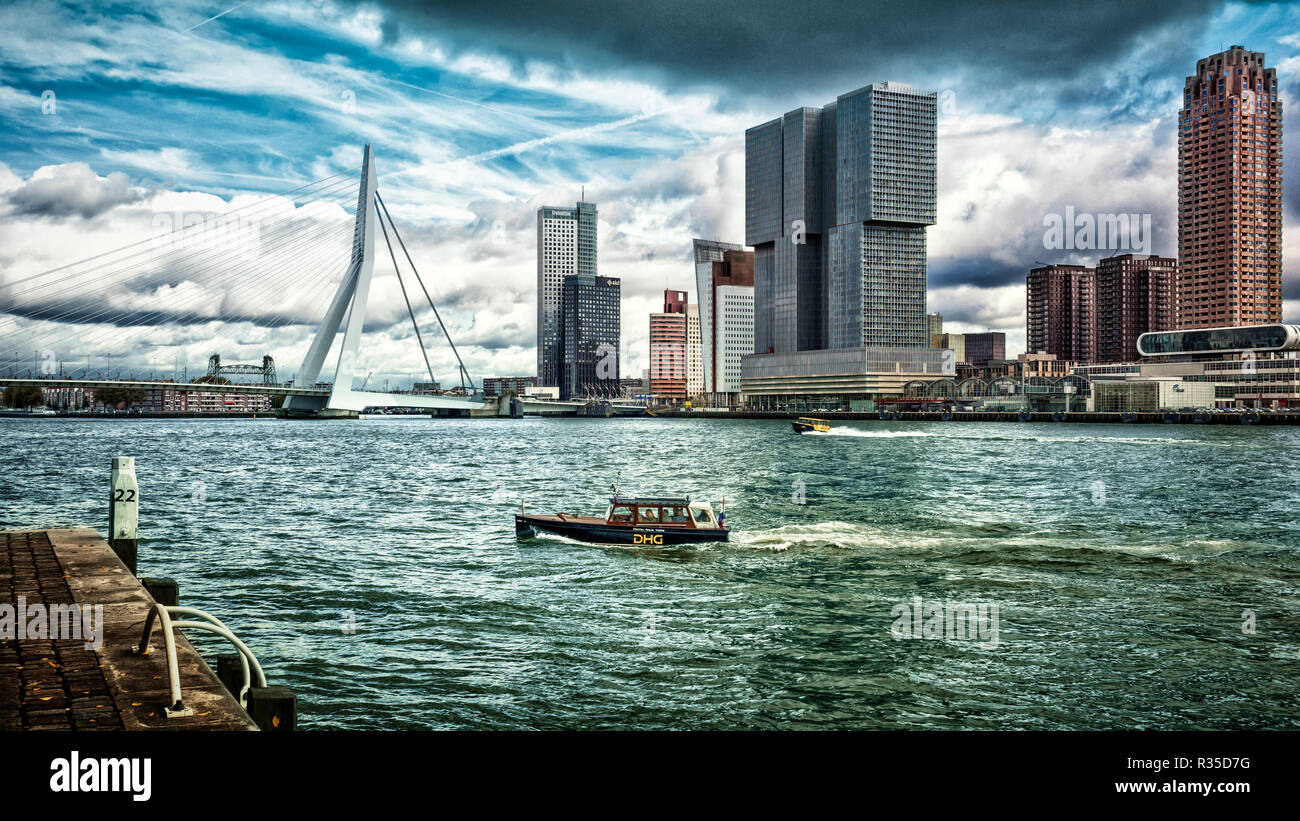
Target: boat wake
(869, 434)
(836, 535)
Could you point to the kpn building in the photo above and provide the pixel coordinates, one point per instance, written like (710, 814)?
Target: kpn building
(837, 202)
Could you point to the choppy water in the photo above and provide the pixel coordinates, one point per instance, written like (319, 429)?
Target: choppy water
(1121, 559)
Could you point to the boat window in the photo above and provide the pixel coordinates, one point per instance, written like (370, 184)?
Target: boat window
(648, 514)
(676, 515)
(700, 514)
(621, 514)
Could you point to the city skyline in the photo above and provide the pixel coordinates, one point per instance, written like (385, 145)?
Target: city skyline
(480, 138)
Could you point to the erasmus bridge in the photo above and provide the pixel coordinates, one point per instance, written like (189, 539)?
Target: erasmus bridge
(139, 299)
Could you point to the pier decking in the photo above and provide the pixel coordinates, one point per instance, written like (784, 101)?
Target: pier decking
(57, 683)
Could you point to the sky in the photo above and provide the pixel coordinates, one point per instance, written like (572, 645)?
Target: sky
(122, 121)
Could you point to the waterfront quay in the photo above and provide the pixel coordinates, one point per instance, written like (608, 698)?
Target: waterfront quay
(93, 680)
(1167, 418)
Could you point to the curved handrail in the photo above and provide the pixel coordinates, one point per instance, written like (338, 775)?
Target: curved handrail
(213, 625)
(233, 639)
(169, 642)
(179, 610)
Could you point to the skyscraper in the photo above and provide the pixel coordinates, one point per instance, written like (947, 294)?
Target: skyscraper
(566, 245)
(934, 328)
(1135, 294)
(955, 343)
(668, 338)
(724, 279)
(983, 348)
(590, 330)
(1230, 193)
(1061, 311)
(694, 352)
(836, 204)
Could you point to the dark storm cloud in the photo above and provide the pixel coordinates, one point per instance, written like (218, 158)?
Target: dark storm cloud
(773, 47)
(71, 190)
(982, 272)
(93, 312)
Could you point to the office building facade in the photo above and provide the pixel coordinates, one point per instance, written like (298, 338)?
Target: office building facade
(566, 246)
(983, 348)
(837, 200)
(694, 352)
(668, 348)
(501, 385)
(955, 343)
(724, 279)
(590, 330)
(934, 327)
(1230, 193)
(1135, 294)
(1251, 366)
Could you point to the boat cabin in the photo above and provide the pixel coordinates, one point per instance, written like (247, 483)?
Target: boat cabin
(661, 512)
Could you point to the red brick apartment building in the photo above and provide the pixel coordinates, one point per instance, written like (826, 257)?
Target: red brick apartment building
(1230, 193)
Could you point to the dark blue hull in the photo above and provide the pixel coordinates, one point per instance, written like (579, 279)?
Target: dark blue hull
(527, 527)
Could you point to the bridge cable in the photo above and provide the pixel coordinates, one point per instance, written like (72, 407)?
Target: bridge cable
(230, 275)
(267, 200)
(418, 337)
(172, 262)
(157, 255)
(464, 373)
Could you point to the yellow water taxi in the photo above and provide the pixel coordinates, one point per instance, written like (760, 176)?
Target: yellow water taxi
(806, 423)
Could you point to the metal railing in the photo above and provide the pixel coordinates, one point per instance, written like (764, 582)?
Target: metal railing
(211, 624)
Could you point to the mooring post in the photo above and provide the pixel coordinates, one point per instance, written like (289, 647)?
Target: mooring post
(231, 673)
(273, 709)
(165, 591)
(123, 511)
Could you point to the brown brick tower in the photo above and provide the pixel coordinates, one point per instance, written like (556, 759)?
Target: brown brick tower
(1061, 307)
(1230, 193)
(1135, 294)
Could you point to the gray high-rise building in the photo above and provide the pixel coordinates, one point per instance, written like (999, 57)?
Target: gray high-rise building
(590, 331)
(836, 204)
(566, 246)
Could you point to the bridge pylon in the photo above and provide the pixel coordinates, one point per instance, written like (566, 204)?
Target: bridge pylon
(350, 301)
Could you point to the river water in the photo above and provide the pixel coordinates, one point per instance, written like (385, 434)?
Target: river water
(1125, 576)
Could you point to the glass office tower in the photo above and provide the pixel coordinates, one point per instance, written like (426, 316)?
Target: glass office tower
(566, 246)
(590, 331)
(836, 204)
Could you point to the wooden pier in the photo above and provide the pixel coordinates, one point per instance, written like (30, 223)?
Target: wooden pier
(51, 682)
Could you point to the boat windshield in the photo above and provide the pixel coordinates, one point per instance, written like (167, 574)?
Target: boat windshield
(621, 514)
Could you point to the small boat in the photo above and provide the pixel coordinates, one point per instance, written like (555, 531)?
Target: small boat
(635, 521)
(807, 423)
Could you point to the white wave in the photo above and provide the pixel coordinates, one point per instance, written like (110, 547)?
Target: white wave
(870, 434)
(843, 535)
